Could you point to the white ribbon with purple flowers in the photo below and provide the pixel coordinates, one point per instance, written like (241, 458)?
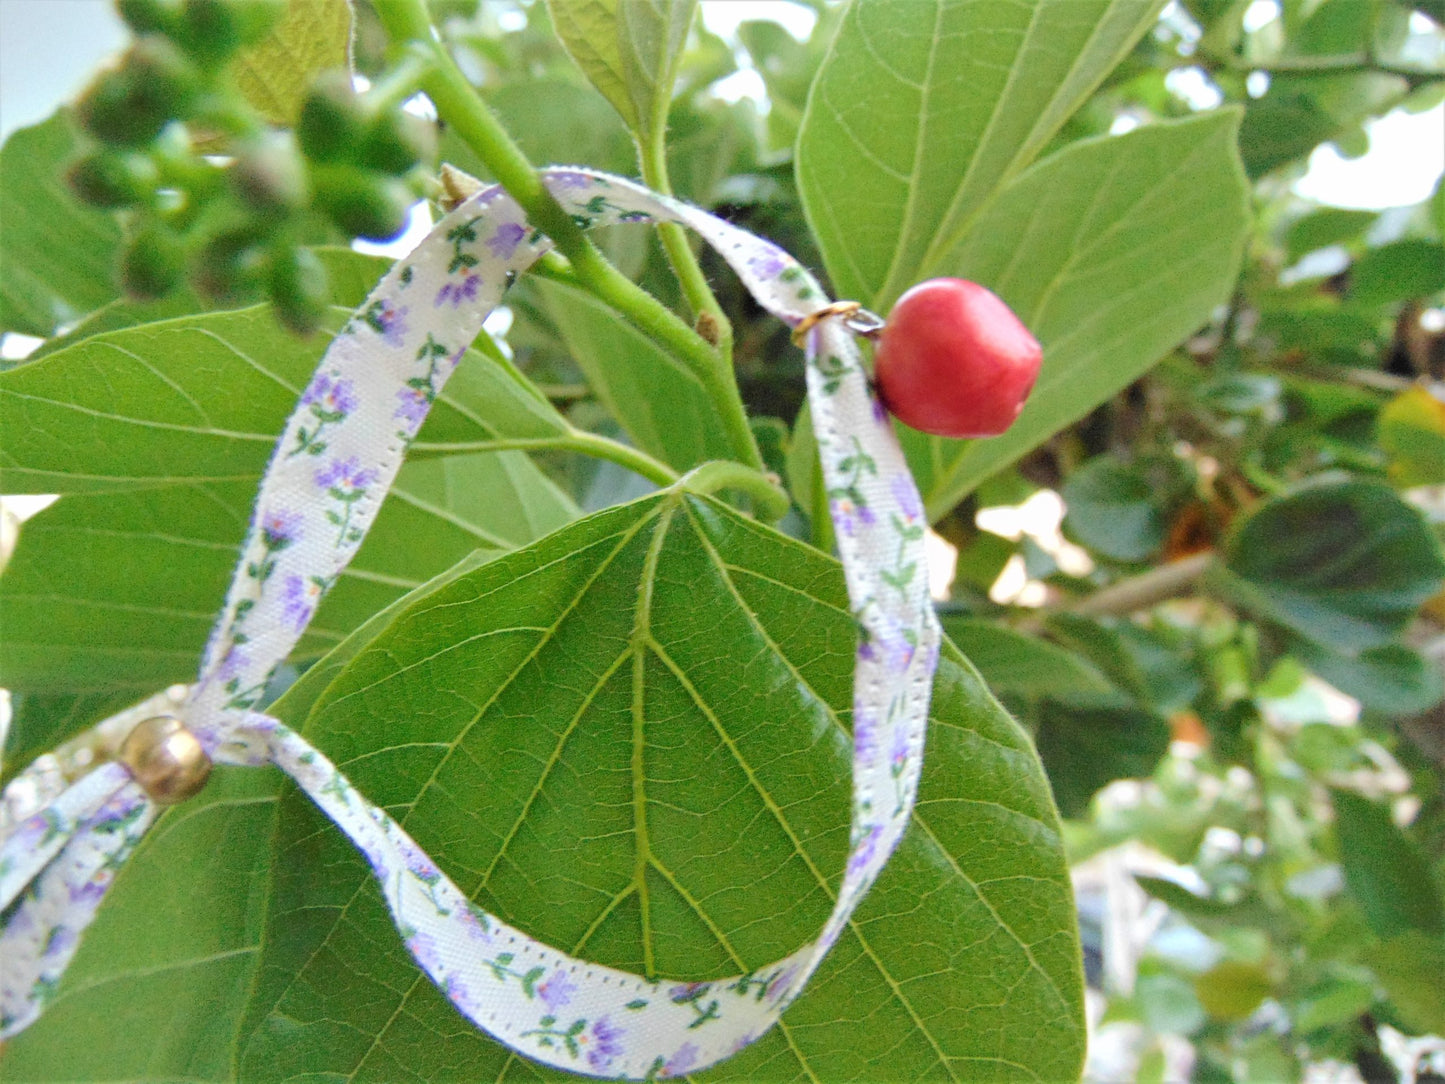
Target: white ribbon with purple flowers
(332, 467)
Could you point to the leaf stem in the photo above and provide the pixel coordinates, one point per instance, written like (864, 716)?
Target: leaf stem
(769, 500)
(458, 102)
(652, 155)
(576, 440)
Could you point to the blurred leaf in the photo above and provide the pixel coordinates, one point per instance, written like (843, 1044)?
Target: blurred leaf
(629, 49)
(1325, 227)
(1300, 111)
(1111, 252)
(1231, 990)
(1025, 665)
(1392, 679)
(1412, 434)
(1345, 564)
(1169, 1004)
(1139, 661)
(1338, 999)
(743, 688)
(961, 97)
(1084, 750)
(1111, 510)
(1409, 966)
(57, 254)
(1184, 901)
(1384, 870)
(275, 74)
(660, 403)
(1401, 271)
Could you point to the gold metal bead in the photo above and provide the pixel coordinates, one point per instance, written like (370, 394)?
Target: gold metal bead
(166, 759)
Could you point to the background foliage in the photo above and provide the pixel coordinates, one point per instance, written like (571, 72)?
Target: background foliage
(1239, 407)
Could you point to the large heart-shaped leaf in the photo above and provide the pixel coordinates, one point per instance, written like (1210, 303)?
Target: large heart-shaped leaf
(630, 739)
(922, 110)
(56, 253)
(1111, 251)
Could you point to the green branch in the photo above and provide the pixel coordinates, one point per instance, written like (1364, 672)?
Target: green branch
(769, 500)
(459, 104)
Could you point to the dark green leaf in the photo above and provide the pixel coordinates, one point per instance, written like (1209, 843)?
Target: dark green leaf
(1024, 665)
(1112, 510)
(1385, 872)
(1325, 227)
(1392, 679)
(1084, 749)
(1345, 564)
(1410, 965)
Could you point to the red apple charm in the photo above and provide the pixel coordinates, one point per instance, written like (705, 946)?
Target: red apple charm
(953, 360)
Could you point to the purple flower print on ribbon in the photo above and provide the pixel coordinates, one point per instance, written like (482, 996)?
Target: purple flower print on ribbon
(233, 662)
(346, 480)
(280, 527)
(603, 1042)
(864, 850)
(906, 494)
(880, 412)
(893, 647)
(898, 755)
(61, 940)
(475, 922)
(330, 395)
(330, 400)
(569, 179)
(865, 733)
(457, 993)
(457, 292)
(424, 948)
(299, 597)
(90, 891)
(413, 404)
(850, 515)
(388, 319)
(768, 262)
(681, 1061)
(778, 985)
(505, 241)
(556, 990)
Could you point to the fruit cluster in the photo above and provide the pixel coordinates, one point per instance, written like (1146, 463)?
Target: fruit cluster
(211, 192)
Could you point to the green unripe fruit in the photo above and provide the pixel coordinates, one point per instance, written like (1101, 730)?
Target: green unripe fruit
(227, 267)
(396, 142)
(334, 121)
(150, 16)
(269, 176)
(297, 284)
(362, 203)
(213, 30)
(130, 105)
(113, 178)
(152, 263)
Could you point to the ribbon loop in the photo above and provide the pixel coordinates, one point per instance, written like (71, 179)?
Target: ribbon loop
(331, 469)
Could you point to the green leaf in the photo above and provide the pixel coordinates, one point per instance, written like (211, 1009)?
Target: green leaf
(164, 971)
(1111, 252)
(1112, 510)
(275, 74)
(1013, 662)
(202, 399)
(1409, 966)
(659, 402)
(134, 611)
(1325, 227)
(629, 51)
(1392, 679)
(1400, 271)
(1084, 749)
(40, 721)
(57, 255)
(1344, 564)
(1412, 434)
(1384, 870)
(1183, 900)
(921, 112)
(656, 635)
